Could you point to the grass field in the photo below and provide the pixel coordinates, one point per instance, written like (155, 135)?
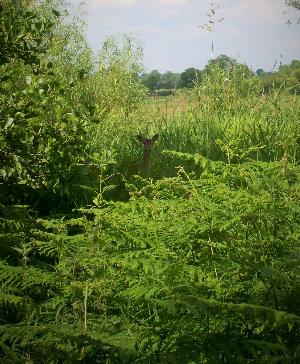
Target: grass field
(228, 128)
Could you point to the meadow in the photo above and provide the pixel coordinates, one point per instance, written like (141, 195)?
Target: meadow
(229, 122)
(195, 262)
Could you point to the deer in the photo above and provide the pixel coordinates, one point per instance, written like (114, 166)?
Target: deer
(148, 144)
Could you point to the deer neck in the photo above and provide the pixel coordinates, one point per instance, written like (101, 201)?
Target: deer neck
(146, 161)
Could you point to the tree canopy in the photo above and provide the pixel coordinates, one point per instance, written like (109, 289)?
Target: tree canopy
(189, 77)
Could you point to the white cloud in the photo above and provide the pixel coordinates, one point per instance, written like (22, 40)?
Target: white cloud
(172, 2)
(171, 13)
(264, 12)
(130, 3)
(111, 3)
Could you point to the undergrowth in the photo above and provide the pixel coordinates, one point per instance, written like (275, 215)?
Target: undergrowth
(193, 270)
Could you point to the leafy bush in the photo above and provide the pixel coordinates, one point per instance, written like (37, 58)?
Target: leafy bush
(54, 101)
(42, 131)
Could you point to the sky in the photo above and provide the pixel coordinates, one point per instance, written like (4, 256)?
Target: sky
(254, 32)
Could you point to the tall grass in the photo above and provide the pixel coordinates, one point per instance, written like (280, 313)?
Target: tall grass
(226, 117)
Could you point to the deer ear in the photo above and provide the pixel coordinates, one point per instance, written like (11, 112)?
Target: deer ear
(155, 137)
(140, 138)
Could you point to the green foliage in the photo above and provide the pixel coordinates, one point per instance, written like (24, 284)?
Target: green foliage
(169, 80)
(200, 267)
(293, 3)
(228, 88)
(229, 67)
(288, 76)
(49, 102)
(201, 270)
(48, 132)
(42, 130)
(22, 32)
(190, 77)
(155, 81)
(152, 80)
(117, 89)
(225, 120)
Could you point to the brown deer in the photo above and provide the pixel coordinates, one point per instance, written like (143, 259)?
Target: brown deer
(148, 143)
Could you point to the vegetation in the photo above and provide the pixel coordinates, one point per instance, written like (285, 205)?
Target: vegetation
(197, 264)
(293, 3)
(287, 75)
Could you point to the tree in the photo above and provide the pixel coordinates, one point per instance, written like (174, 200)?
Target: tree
(152, 80)
(169, 80)
(292, 70)
(229, 66)
(260, 72)
(189, 77)
(287, 75)
(222, 61)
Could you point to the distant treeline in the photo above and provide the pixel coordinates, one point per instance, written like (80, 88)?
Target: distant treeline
(164, 83)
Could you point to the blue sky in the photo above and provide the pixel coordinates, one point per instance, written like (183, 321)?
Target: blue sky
(253, 31)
